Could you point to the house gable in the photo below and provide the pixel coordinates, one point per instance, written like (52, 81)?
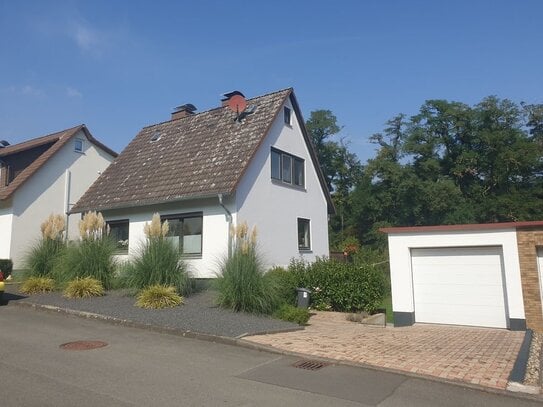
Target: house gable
(277, 207)
(21, 161)
(52, 175)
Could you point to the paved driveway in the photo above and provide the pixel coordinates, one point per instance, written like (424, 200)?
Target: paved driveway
(478, 356)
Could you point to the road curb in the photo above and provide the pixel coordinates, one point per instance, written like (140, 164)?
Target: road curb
(155, 328)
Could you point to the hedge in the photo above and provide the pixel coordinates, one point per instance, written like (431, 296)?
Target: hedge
(6, 266)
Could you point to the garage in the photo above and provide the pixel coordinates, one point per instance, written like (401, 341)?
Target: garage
(486, 275)
(459, 286)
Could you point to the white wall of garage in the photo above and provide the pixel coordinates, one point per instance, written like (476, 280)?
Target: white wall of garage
(400, 245)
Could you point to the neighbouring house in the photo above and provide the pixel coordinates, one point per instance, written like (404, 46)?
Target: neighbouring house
(42, 176)
(488, 275)
(246, 161)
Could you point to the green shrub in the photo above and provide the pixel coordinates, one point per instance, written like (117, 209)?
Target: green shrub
(285, 283)
(84, 288)
(37, 285)
(343, 287)
(43, 257)
(88, 258)
(158, 296)
(6, 267)
(242, 285)
(158, 263)
(290, 313)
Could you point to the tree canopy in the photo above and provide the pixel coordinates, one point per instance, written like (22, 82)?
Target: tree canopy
(454, 163)
(450, 163)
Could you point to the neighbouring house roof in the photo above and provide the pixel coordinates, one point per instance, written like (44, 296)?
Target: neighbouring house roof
(465, 227)
(50, 145)
(196, 156)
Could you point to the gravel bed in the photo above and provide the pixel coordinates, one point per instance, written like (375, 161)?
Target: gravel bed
(533, 368)
(198, 314)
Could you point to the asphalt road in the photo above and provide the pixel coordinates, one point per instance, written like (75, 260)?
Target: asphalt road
(144, 368)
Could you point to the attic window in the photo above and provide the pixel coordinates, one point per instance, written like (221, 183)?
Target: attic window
(78, 145)
(287, 168)
(156, 136)
(287, 116)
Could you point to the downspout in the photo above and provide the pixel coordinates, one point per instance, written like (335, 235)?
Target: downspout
(67, 184)
(229, 220)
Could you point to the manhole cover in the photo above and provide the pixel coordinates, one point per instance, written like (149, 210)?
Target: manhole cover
(83, 345)
(310, 364)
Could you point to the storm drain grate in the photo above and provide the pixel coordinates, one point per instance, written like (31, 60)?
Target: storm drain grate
(83, 345)
(310, 364)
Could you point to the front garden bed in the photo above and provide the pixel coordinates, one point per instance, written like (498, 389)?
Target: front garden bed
(198, 314)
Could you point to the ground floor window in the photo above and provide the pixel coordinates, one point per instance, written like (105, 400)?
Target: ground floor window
(119, 232)
(185, 232)
(304, 234)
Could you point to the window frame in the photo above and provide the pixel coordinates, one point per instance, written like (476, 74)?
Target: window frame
(118, 249)
(81, 141)
(287, 115)
(295, 163)
(302, 222)
(182, 217)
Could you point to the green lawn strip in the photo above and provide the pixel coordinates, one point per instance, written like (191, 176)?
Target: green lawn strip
(387, 304)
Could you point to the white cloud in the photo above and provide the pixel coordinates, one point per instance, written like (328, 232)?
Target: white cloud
(25, 90)
(86, 38)
(73, 93)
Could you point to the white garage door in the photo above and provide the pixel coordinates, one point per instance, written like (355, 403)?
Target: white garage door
(460, 286)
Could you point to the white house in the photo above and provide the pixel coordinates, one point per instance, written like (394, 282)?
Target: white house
(42, 176)
(488, 275)
(246, 161)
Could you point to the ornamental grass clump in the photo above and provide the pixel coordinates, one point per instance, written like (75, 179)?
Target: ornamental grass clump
(37, 285)
(158, 297)
(42, 258)
(241, 283)
(92, 255)
(159, 261)
(84, 288)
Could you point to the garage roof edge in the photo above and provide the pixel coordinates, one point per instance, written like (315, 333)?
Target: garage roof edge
(466, 227)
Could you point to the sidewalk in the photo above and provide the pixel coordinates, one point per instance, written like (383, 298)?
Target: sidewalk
(479, 356)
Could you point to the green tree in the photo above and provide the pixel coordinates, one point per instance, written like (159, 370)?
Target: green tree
(341, 168)
(453, 163)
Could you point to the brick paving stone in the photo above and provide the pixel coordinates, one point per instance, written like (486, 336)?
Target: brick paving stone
(480, 356)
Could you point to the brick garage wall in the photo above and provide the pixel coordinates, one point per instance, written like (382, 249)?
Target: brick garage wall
(527, 241)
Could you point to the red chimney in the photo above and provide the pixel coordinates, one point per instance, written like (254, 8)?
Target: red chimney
(229, 95)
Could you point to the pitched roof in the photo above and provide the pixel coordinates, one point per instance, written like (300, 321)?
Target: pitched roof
(58, 140)
(196, 156)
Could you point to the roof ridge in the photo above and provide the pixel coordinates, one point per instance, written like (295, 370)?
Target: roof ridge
(47, 135)
(214, 108)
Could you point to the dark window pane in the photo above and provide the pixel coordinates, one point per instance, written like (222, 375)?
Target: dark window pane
(192, 235)
(303, 234)
(299, 178)
(287, 168)
(275, 165)
(185, 233)
(118, 231)
(286, 111)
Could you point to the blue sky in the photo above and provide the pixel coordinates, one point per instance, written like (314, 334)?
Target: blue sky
(120, 65)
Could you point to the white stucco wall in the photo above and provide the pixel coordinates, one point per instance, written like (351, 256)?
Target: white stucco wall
(274, 206)
(45, 193)
(400, 262)
(214, 231)
(6, 221)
